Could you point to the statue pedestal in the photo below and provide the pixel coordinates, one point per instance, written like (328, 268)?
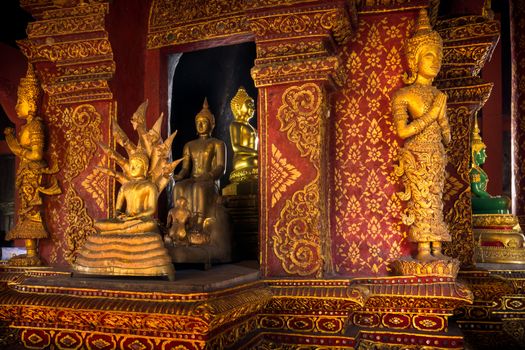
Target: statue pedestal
(407, 266)
(403, 311)
(216, 244)
(244, 214)
(499, 238)
(136, 254)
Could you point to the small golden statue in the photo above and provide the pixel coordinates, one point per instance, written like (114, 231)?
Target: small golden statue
(130, 243)
(29, 148)
(204, 161)
(420, 119)
(245, 143)
(178, 219)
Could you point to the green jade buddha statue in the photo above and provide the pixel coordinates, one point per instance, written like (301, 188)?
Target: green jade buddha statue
(482, 201)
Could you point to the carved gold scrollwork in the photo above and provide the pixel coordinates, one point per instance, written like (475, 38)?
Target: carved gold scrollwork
(82, 133)
(80, 224)
(299, 117)
(81, 127)
(297, 239)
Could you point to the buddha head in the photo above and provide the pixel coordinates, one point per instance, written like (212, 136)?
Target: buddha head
(204, 120)
(242, 105)
(28, 94)
(424, 51)
(138, 164)
(479, 154)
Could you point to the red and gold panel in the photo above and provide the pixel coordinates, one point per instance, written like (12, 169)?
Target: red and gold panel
(68, 340)
(35, 338)
(433, 323)
(293, 123)
(365, 211)
(396, 321)
(98, 341)
(366, 319)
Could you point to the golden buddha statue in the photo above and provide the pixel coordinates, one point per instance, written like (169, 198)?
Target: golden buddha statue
(420, 119)
(206, 157)
(245, 143)
(130, 243)
(29, 148)
(204, 161)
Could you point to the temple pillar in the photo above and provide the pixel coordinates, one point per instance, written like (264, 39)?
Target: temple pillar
(295, 70)
(69, 48)
(468, 43)
(517, 37)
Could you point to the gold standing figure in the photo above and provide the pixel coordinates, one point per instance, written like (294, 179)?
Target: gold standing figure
(420, 119)
(29, 148)
(130, 243)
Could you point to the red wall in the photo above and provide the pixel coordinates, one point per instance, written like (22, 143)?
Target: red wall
(366, 227)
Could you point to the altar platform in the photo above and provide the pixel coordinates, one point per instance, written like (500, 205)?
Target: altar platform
(227, 307)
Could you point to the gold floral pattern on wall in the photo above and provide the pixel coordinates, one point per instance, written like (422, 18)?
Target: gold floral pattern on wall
(366, 225)
(282, 174)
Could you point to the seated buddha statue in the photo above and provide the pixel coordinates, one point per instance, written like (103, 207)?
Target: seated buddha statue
(140, 198)
(245, 143)
(203, 163)
(482, 201)
(207, 238)
(130, 243)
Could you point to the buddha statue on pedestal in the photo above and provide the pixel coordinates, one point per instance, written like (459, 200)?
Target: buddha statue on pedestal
(129, 243)
(245, 143)
(497, 232)
(203, 163)
(482, 201)
(420, 118)
(29, 148)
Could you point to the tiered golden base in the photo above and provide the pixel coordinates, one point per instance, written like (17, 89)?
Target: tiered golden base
(408, 266)
(125, 254)
(24, 261)
(499, 238)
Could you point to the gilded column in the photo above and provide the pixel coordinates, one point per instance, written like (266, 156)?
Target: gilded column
(295, 70)
(69, 47)
(517, 28)
(468, 43)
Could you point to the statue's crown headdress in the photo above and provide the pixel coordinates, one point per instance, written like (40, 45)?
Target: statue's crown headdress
(29, 89)
(424, 36)
(205, 112)
(476, 141)
(239, 99)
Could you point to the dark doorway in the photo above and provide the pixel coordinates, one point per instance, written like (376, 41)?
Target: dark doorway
(216, 74)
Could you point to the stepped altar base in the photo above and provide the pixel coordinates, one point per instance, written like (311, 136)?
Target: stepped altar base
(229, 307)
(499, 238)
(409, 312)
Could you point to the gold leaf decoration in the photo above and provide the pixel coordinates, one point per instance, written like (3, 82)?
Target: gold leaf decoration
(282, 175)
